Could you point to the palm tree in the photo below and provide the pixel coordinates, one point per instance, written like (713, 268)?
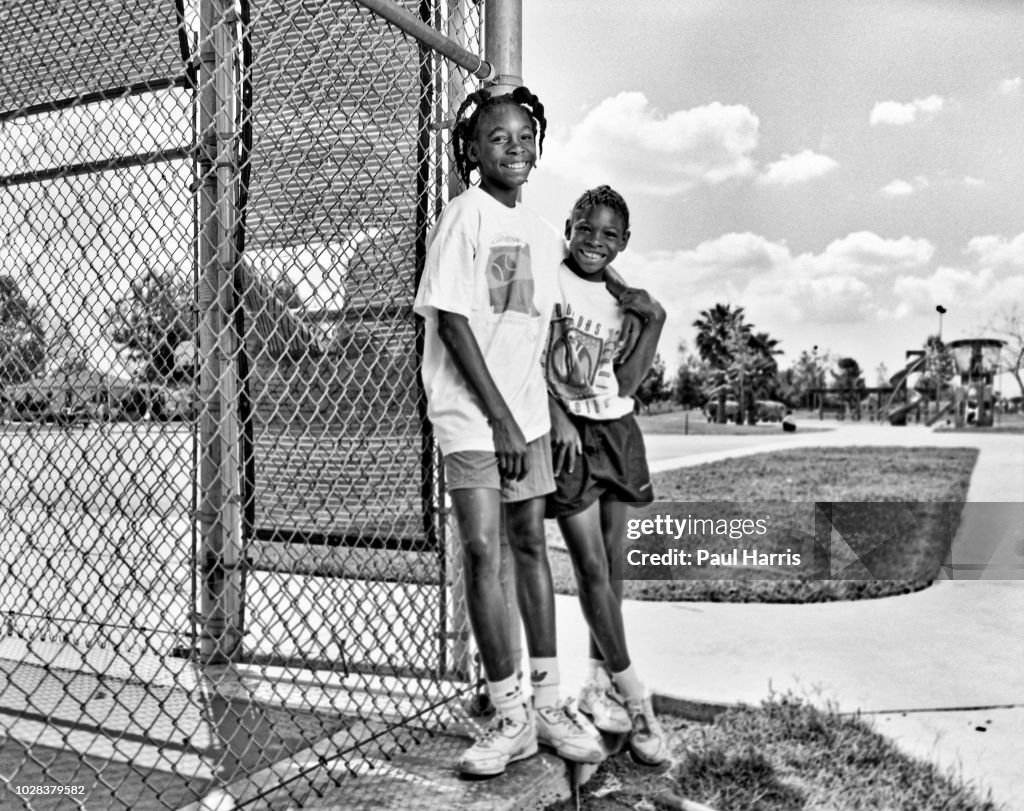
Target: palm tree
(766, 373)
(752, 370)
(717, 329)
(740, 360)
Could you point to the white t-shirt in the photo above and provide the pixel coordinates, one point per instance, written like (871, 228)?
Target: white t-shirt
(494, 265)
(586, 329)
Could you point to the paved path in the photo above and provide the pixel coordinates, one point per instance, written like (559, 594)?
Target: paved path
(941, 671)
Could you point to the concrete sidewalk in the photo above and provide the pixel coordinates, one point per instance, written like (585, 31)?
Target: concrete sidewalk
(941, 671)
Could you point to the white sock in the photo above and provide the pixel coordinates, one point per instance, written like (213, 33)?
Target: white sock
(628, 684)
(507, 697)
(597, 672)
(545, 680)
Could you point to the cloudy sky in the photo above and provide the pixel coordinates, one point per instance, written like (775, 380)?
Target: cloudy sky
(838, 168)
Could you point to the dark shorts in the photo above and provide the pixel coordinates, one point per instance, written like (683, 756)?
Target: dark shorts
(614, 464)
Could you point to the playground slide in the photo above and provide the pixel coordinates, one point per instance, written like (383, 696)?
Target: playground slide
(915, 367)
(897, 415)
(896, 411)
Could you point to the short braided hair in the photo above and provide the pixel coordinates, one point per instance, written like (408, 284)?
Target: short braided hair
(603, 196)
(466, 126)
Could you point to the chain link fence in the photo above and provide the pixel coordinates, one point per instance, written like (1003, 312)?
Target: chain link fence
(221, 521)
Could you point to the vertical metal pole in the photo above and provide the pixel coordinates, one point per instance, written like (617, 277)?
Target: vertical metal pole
(220, 517)
(431, 495)
(461, 664)
(503, 49)
(503, 43)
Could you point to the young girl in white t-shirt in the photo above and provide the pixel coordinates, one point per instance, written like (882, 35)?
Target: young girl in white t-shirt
(487, 293)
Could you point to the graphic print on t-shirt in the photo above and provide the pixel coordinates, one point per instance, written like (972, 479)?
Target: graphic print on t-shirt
(578, 348)
(573, 357)
(510, 278)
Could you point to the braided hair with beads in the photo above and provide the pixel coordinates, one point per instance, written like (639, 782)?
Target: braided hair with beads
(466, 125)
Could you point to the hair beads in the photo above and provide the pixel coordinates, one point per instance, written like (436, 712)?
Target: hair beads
(466, 126)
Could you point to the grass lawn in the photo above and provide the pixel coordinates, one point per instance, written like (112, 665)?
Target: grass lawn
(908, 505)
(782, 756)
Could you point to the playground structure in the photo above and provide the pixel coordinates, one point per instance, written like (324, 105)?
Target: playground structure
(977, 361)
(904, 397)
(972, 402)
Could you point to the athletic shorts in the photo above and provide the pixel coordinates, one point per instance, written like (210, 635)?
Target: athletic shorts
(465, 470)
(613, 463)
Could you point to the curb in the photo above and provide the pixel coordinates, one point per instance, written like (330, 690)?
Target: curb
(690, 709)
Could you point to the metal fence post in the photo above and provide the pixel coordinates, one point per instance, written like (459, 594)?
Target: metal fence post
(503, 43)
(503, 49)
(220, 515)
(461, 654)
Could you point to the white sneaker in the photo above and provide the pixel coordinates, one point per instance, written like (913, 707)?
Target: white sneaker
(570, 734)
(604, 706)
(647, 739)
(504, 741)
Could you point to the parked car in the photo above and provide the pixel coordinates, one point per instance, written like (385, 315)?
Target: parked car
(732, 408)
(770, 411)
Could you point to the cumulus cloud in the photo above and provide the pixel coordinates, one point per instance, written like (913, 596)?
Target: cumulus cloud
(992, 275)
(902, 188)
(973, 182)
(899, 114)
(862, 293)
(848, 282)
(866, 253)
(627, 142)
(920, 294)
(799, 168)
(737, 252)
(976, 292)
(998, 252)
(744, 257)
(897, 188)
(1010, 86)
(822, 298)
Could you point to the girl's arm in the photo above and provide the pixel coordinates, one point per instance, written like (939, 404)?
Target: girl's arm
(509, 442)
(631, 323)
(633, 368)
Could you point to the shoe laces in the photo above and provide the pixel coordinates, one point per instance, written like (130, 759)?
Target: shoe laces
(490, 733)
(608, 697)
(569, 710)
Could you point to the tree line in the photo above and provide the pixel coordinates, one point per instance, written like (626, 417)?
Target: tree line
(150, 323)
(734, 362)
(735, 370)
